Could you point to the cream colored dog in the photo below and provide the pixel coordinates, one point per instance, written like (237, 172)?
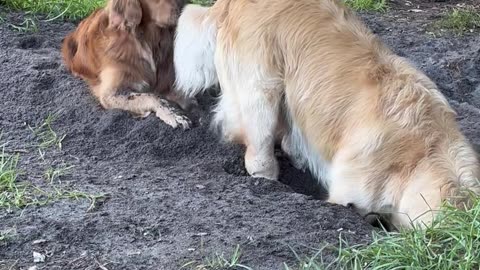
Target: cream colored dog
(374, 129)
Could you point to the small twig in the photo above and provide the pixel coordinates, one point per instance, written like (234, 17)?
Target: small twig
(101, 266)
(20, 151)
(15, 263)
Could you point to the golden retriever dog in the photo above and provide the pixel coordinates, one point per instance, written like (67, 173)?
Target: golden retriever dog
(129, 44)
(369, 125)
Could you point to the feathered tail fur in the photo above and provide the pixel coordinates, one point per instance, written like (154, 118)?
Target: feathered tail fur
(194, 51)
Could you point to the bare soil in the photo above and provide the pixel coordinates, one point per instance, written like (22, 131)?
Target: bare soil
(176, 196)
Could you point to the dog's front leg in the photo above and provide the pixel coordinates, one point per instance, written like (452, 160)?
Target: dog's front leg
(260, 110)
(171, 115)
(186, 103)
(139, 104)
(249, 116)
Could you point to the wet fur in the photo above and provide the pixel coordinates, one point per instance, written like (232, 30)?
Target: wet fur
(374, 129)
(124, 46)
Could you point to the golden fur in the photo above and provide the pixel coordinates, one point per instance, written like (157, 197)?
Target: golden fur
(373, 128)
(129, 44)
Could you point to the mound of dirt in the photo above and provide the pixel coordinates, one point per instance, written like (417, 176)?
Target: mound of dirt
(175, 196)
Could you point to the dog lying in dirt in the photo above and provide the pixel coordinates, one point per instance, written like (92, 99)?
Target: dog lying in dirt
(129, 44)
(371, 127)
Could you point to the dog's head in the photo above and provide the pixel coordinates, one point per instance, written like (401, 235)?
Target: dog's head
(163, 12)
(128, 14)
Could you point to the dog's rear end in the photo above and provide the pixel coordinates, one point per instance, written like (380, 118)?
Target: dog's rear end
(119, 47)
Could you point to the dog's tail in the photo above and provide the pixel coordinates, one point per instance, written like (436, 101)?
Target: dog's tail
(194, 51)
(452, 177)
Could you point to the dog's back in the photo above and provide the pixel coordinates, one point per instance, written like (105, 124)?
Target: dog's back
(376, 130)
(388, 136)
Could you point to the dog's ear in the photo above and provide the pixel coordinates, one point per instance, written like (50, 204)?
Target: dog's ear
(124, 14)
(69, 49)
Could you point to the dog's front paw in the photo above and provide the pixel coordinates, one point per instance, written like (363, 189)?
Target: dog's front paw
(262, 167)
(183, 121)
(174, 120)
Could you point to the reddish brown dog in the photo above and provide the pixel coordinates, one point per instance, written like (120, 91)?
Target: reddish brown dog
(129, 45)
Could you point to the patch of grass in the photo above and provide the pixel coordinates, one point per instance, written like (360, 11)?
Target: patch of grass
(47, 137)
(57, 9)
(314, 262)
(29, 24)
(452, 242)
(219, 262)
(93, 199)
(358, 5)
(11, 193)
(460, 20)
(78, 9)
(21, 194)
(2, 17)
(7, 235)
(64, 194)
(205, 3)
(53, 173)
(367, 5)
(15, 194)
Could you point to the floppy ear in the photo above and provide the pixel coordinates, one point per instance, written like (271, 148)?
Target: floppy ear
(69, 49)
(124, 14)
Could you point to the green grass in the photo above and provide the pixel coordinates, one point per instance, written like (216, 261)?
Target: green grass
(16, 194)
(78, 9)
(93, 199)
(452, 242)
(45, 134)
(29, 24)
(367, 5)
(53, 173)
(54, 9)
(315, 262)
(460, 20)
(205, 3)
(7, 235)
(20, 194)
(219, 262)
(11, 193)
(358, 5)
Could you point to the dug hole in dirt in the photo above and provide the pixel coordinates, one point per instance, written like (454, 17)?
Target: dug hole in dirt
(173, 196)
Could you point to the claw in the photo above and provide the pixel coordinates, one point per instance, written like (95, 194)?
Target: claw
(175, 120)
(183, 121)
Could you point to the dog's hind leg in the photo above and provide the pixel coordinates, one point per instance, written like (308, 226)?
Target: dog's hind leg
(139, 104)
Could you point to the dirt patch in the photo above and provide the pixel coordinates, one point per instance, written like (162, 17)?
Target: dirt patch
(175, 196)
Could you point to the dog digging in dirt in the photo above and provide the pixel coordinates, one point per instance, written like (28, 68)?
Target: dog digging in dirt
(370, 126)
(129, 45)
